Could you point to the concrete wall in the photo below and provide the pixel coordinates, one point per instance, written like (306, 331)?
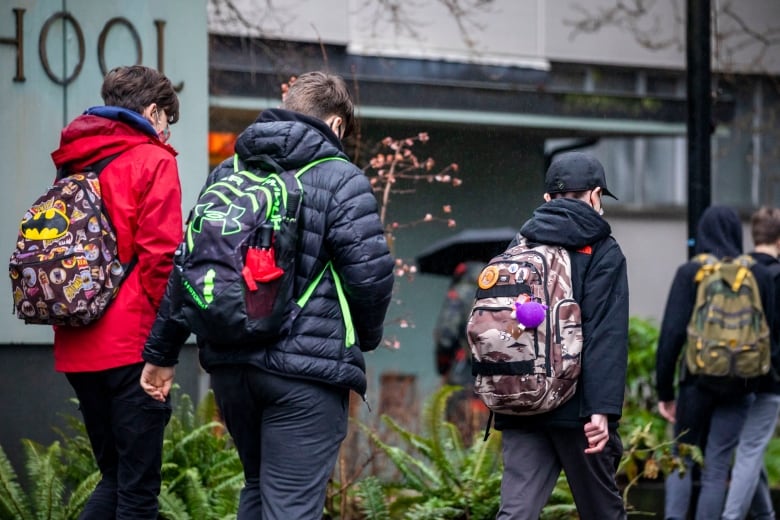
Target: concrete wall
(511, 32)
(34, 106)
(50, 73)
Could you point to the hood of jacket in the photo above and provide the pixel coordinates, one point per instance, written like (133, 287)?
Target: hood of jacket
(281, 140)
(566, 222)
(719, 232)
(101, 132)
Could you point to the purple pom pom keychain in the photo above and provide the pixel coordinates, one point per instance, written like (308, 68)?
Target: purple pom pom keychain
(529, 313)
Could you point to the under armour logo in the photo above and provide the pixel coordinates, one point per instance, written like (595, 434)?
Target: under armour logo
(230, 218)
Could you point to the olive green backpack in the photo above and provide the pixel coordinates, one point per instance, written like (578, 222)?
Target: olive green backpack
(728, 335)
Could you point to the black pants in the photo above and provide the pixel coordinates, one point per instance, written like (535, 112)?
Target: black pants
(288, 433)
(125, 427)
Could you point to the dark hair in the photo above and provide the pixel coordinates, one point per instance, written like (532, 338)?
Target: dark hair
(136, 87)
(765, 225)
(580, 195)
(321, 95)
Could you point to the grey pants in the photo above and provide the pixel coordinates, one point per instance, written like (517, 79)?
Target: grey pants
(534, 459)
(288, 433)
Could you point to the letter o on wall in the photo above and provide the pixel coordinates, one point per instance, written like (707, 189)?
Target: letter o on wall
(119, 20)
(65, 17)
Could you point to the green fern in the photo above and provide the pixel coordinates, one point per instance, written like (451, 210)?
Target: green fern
(202, 474)
(171, 506)
(80, 495)
(371, 499)
(14, 502)
(441, 479)
(44, 469)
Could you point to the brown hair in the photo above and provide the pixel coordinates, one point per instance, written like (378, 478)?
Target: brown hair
(136, 87)
(321, 95)
(765, 225)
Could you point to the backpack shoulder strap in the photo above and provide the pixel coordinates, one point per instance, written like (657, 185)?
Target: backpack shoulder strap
(95, 167)
(312, 164)
(709, 263)
(745, 260)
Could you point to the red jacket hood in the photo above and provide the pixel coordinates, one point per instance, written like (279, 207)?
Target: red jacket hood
(90, 138)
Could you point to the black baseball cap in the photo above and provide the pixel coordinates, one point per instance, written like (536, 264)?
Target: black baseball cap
(575, 171)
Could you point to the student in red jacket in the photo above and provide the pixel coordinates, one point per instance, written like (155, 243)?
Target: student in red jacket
(102, 361)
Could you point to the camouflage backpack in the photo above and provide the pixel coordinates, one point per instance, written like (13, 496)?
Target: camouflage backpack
(728, 335)
(531, 367)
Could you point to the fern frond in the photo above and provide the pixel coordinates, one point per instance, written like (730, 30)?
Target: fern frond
(410, 467)
(372, 499)
(185, 410)
(486, 457)
(196, 496)
(80, 495)
(416, 442)
(433, 512)
(435, 409)
(207, 410)
(171, 506)
(236, 482)
(44, 467)
(203, 434)
(447, 461)
(13, 501)
(226, 467)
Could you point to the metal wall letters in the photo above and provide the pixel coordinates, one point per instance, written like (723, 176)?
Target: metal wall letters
(66, 17)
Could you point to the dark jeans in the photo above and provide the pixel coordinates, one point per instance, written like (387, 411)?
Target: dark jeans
(125, 427)
(288, 432)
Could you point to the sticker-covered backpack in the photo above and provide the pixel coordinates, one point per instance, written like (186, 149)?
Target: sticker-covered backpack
(65, 269)
(525, 330)
(728, 335)
(237, 262)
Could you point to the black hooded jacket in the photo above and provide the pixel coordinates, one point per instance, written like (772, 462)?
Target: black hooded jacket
(771, 382)
(601, 288)
(340, 224)
(720, 233)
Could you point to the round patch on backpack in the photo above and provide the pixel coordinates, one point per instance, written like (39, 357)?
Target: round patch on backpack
(488, 277)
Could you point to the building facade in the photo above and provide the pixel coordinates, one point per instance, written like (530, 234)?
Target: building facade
(497, 85)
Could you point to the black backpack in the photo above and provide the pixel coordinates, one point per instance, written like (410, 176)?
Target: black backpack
(237, 261)
(65, 269)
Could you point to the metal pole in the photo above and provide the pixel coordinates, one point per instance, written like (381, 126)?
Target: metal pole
(699, 114)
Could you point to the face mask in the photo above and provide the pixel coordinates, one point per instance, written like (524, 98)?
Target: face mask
(164, 134)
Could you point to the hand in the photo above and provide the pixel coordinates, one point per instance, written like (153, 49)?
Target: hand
(156, 381)
(597, 433)
(668, 410)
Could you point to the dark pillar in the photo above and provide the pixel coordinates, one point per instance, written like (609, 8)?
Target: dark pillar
(699, 113)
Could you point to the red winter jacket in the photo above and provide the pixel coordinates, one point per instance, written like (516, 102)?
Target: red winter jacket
(142, 194)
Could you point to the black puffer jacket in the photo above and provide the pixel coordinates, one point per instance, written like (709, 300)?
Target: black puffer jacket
(601, 288)
(339, 223)
(719, 232)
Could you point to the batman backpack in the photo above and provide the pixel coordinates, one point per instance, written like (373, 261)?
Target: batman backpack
(65, 269)
(237, 261)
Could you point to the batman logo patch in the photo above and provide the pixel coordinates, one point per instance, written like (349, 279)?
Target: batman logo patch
(46, 225)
